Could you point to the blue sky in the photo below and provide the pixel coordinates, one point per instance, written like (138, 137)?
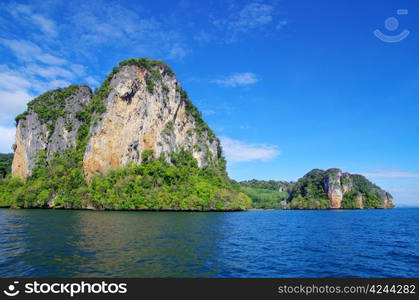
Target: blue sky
(288, 85)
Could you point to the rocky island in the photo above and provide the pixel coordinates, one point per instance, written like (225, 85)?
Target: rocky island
(139, 143)
(318, 189)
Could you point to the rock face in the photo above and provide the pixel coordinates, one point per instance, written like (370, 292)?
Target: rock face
(139, 118)
(142, 107)
(336, 185)
(335, 189)
(35, 133)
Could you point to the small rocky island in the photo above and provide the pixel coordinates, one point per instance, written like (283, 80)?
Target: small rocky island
(138, 143)
(318, 189)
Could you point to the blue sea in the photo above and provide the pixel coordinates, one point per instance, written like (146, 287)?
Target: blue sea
(330, 243)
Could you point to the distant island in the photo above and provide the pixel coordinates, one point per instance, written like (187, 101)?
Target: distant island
(138, 143)
(318, 189)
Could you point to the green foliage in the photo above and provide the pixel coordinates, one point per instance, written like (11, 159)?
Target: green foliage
(368, 191)
(49, 106)
(310, 186)
(264, 198)
(5, 164)
(170, 125)
(362, 184)
(147, 64)
(191, 110)
(300, 202)
(61, 176)
(147, 155)
(150, 85)
(349, 200)
(21, 116)
(371, 200)
(309, 191)
(68, 126)
(152, 185)
(267, 184)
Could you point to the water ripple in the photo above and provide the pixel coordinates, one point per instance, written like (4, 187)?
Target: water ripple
(369, 243)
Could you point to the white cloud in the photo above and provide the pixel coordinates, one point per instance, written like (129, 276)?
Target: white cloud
(103, 24)
(28, 52)
(79, 70)
(46, 25)
(25, 13)
(16, 86)
(392, 174)
(177, 52)
(7, 139)
(281, 24)
(48, 72)
(254, 16)
(203, 36)
(12, 103)
(92, 81)
(58, 83)
(13, 94)
(237, 79)
(10, 81)
(238, 151)
(208, 112)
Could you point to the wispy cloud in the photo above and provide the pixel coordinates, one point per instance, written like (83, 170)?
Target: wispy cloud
(102, 23)
(239, 151)
(14, 94)
(254, 16)
(18, 86)
(281, 24)
(25, 13)
(27, 51)
(237, 79)
(92, 81)
(49, 72)
(392, 174)
(208, 112)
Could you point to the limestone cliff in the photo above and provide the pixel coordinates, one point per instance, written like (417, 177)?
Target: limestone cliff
(335, 189)
(146, 109)
(49, 125)
(141, 106)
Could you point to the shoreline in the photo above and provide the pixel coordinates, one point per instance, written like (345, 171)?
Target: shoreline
(199, 211)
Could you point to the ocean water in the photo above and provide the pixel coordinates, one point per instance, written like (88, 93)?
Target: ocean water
(332, 243)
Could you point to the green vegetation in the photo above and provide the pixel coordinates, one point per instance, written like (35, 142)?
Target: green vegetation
(267, 184)
(49, 106)
(153, 185)
(151, 78)
(192, 111)
(309, 191)
(165, 89)
(300, 202)
(265, 198)
(5, 164)
(310, 187)
(145, 63)
(349, 200)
